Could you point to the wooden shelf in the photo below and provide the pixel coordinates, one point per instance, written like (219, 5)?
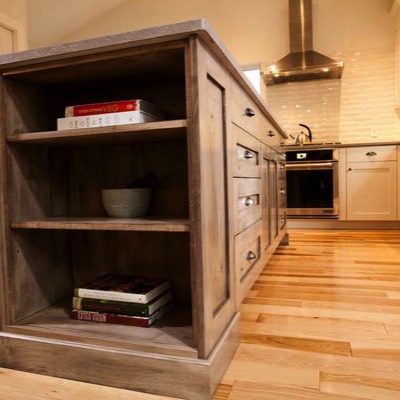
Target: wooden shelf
(146, 132)
(172, 334)
(148, 224)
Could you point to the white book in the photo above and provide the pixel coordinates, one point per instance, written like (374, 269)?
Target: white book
(100, 120)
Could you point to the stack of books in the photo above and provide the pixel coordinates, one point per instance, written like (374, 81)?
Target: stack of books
(122, 299)
(97, 115)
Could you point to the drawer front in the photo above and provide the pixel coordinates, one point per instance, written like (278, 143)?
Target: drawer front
(247, 202)
(245, 113)
(371, 153)
(282, 171)
(282, 193)
(248, 251)
(268, 134)
(248, 158)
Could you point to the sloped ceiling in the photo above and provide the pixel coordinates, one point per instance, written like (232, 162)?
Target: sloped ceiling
(50, 21)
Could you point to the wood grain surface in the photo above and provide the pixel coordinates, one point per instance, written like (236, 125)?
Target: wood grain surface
(322, 322)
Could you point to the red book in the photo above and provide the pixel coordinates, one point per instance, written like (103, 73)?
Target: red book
(108, 318)
(112, 107)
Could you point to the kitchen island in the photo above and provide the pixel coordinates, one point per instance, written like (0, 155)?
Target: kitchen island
(217, 214)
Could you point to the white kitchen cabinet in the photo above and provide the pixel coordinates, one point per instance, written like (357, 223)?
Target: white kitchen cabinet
(371, 183)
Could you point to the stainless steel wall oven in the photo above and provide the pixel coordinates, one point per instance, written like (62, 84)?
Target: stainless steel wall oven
(312, 183)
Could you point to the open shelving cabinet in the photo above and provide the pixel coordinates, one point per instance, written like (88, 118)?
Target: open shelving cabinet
(55, 234)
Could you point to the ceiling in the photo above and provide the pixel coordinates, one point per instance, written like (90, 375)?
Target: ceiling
(59, 18)
(53, 21)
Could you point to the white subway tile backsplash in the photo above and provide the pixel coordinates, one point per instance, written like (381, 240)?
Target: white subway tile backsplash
(360, 107)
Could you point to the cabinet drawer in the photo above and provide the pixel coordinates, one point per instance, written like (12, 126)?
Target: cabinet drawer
(268, 133)
(248, 251)
(371, 153)
(247, 200)
(245, 113)
(282, 193)
(247, 161)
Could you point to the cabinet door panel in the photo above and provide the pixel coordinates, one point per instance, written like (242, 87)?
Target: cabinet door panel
(212, 252)
(371, 191)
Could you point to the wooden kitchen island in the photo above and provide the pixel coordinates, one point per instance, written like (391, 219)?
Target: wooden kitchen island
(217, 214)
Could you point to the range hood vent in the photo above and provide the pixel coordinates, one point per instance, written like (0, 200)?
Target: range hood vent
(302, 63)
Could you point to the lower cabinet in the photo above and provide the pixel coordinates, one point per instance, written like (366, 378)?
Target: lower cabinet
(371, 183)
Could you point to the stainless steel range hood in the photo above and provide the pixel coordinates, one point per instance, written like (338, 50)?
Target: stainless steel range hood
(302, 63)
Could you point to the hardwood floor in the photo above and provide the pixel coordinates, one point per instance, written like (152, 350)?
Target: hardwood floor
(322, 322)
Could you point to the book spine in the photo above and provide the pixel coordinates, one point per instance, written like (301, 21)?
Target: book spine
(101, 120)
(115, 307)
(110, 295)
(101, 108)
(94, 316)
(133, 309)
(121, 296)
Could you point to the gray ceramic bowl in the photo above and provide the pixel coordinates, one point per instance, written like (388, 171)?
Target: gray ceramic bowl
(126, 203)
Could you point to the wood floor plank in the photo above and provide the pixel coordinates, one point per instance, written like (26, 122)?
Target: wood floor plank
(382, 310)
(260, 372)
(17, 385)
(263, 391)
(317, 312)
(223, 392)
(370, 351)
(301, 344)
(393, 295)
(308, 327)
(264, 290)
(382, 389)
(329, 363)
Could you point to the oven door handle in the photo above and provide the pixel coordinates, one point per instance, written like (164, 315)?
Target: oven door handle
(309, 165)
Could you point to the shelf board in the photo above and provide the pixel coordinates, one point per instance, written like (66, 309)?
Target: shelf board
(146, 132)
(148, 224)
(171, 335)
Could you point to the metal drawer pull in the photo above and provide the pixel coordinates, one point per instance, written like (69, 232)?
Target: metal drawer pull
(248, 154)
(249, 112)
(282, 191)
(248, 201)
(271, 133)
(370, 153)
(250, 256)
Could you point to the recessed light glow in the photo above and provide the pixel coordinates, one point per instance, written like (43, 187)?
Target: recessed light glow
(273, 69)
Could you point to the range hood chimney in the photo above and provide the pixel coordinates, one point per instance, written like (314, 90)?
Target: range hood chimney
(302, 63)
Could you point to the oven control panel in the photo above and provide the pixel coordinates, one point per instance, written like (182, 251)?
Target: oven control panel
(301, 156)
(312, 155)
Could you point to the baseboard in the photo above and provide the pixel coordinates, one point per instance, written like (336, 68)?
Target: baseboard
(337, 224)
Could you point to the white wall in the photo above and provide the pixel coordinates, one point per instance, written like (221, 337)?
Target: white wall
(13, 15)
(360, 107)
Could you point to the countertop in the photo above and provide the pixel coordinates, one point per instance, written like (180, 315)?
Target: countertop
(338, 145)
